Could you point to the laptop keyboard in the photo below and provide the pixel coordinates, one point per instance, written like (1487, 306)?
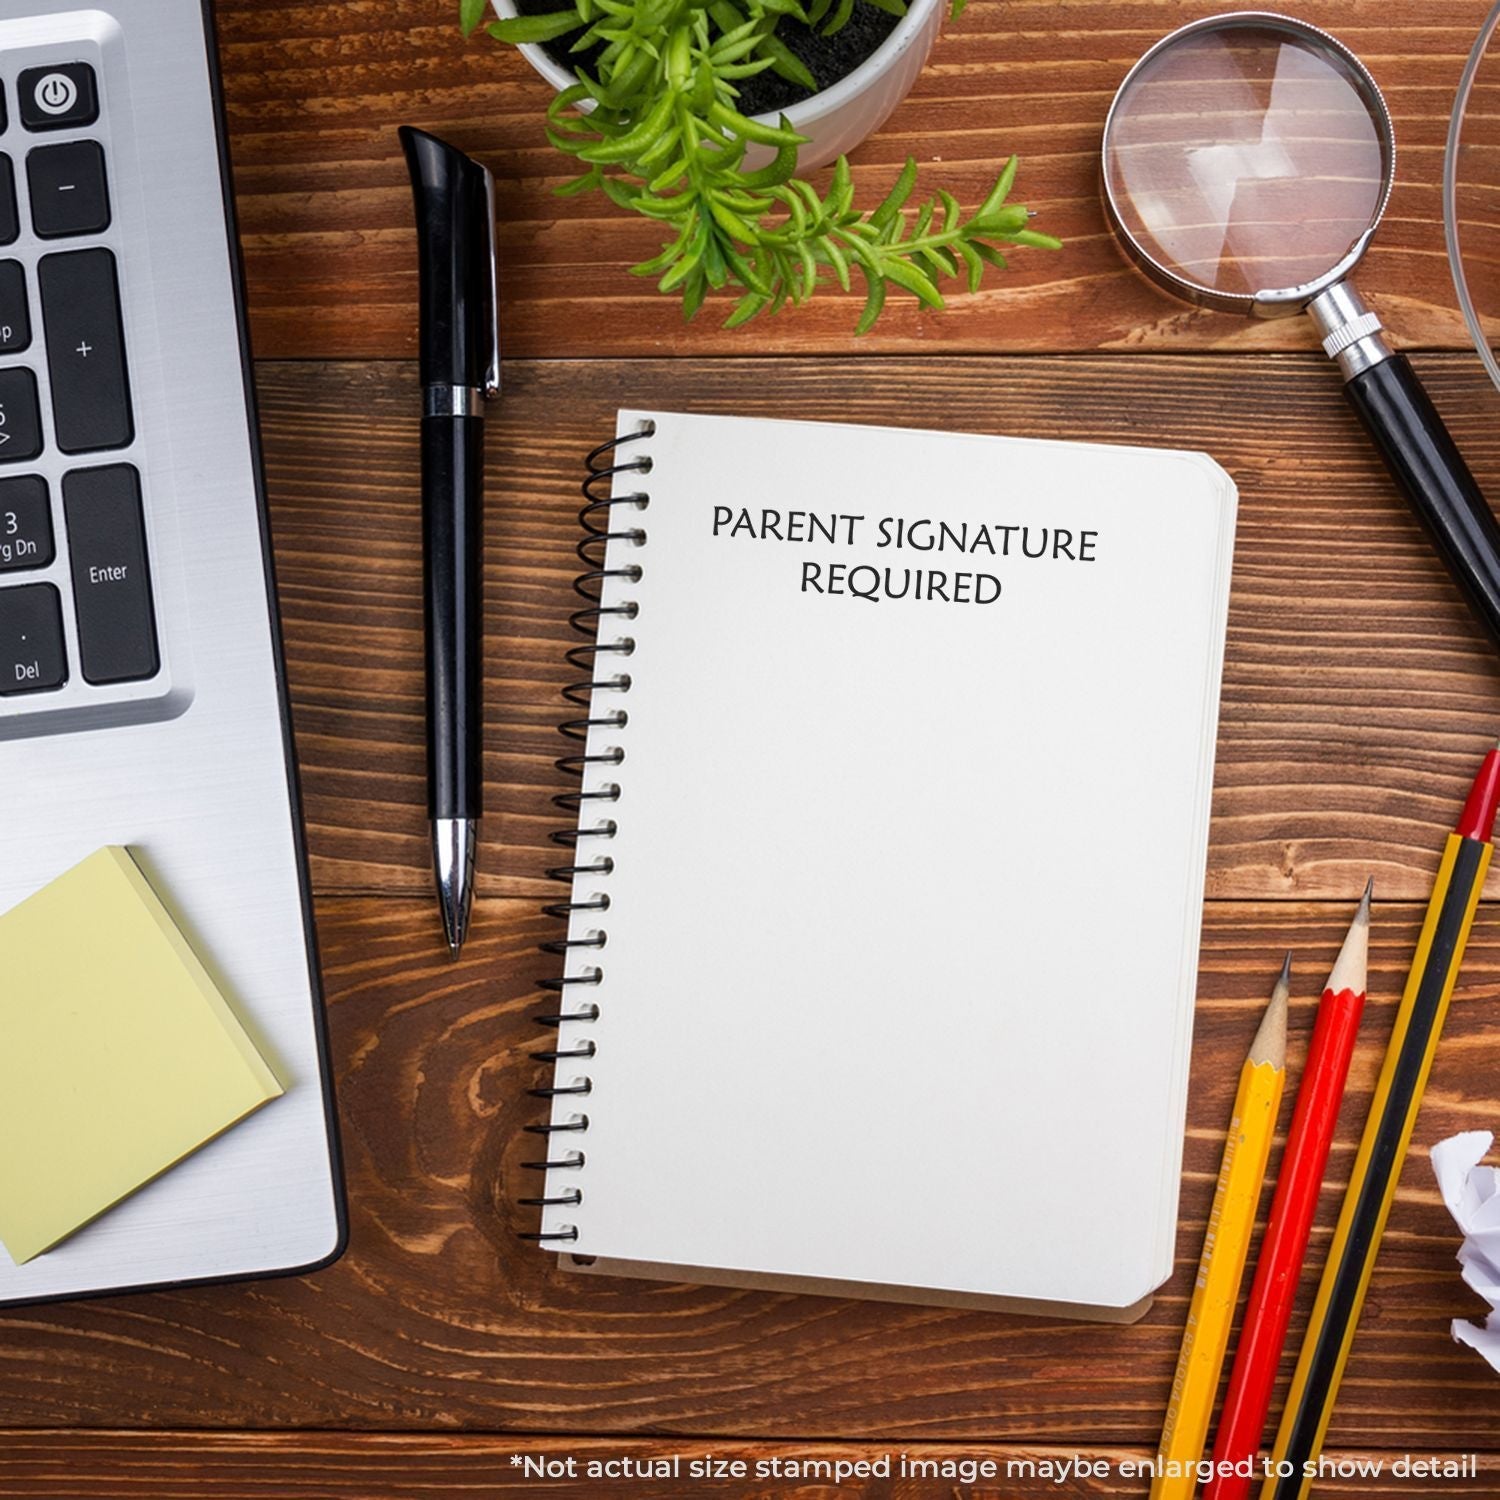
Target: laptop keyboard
(60, 315)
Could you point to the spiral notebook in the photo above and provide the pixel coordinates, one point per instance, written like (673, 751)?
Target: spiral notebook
(888, 869)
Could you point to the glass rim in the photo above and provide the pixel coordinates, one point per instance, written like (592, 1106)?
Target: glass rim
(1450, 195)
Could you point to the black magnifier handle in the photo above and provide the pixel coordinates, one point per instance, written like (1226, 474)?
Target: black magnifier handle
(1418, 450)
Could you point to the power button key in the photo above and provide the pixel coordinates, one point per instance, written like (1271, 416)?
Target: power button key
(58, 96)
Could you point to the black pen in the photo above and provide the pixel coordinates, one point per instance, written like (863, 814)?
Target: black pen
(460, 371)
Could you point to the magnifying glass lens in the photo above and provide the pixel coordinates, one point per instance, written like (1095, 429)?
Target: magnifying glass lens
(1246, 159)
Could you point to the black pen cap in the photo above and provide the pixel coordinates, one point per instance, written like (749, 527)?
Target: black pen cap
(455, 250)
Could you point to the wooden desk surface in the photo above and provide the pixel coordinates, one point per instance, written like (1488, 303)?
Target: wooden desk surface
(1357, 699)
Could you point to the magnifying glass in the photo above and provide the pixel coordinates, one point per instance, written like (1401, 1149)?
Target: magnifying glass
(1247, 161)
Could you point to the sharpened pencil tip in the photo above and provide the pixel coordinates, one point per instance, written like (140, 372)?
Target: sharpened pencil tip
(1350, 967)
(1269, 1045)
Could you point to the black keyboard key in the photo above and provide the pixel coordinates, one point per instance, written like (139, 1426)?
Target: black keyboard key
(15, 313)
(111, 577)
(10, 218)
(32, 655)
(20, 417)
(68, 191)
(4, 117)
(85, 350)
(25, 523)
(57, 96)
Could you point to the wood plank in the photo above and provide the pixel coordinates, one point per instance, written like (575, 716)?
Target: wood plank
(389, 1466)
(315, 92)
(439, 1318)
(1358, 696)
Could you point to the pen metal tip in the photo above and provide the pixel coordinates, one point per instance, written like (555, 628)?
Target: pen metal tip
(453, 843)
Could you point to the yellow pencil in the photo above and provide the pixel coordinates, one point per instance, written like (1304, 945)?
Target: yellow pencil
(1382, 1149)
(1226, 1246)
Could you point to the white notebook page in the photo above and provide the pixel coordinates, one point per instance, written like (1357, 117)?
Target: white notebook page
(904, 914)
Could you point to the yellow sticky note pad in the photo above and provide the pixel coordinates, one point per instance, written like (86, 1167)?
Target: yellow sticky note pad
(119, 1056)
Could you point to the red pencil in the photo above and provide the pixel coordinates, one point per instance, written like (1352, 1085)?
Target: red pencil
(1269, 1309)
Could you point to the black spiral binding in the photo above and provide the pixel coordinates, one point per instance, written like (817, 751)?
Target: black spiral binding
(596, 518)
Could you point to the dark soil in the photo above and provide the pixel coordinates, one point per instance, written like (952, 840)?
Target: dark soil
(827, 58)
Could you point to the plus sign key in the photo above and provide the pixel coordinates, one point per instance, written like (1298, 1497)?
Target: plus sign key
(32, 656)
(85, 350)
(57, 96)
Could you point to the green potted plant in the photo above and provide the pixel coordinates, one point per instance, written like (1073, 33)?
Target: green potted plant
(656, 104)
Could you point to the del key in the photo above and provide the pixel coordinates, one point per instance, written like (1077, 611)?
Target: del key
(85, 350)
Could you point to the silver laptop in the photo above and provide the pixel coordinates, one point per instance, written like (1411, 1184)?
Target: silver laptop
(142, 695)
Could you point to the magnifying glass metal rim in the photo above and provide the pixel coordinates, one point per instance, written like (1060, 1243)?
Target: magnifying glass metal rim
(1451, 225)
(1271, 302)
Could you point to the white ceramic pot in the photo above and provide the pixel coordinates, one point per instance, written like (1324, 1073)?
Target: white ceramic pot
(839, 118)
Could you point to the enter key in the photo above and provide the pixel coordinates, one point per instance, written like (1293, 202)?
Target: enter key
(111, 574)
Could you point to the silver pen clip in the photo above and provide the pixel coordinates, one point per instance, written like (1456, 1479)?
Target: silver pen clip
(492, 373)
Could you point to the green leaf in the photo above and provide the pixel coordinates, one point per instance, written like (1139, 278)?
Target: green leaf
(1036, 240)
(1007, 220)
(535, 28)
(746, 308)
(777, 171)
(895, 200)
(619, 192)
(693, 293)
(1001, 190)
(797, 214)
(663, 208)
(747, 129)
(904, 274)
(669, 176)
(568, 98)
(840, 18)
(669, 254)
(970, 257)
(940, 259)
(874, 302)
(690, 265)
(988, 254)
(743, 268)
(755, 205)
(713, 261)
(635, 141)
(809, 196)
(840, 190)
(809, 270)
(745, 70)
(576, 185)
(470, 14)
(839, 262)
(786, 62)
(660, 150)
(731, 223)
